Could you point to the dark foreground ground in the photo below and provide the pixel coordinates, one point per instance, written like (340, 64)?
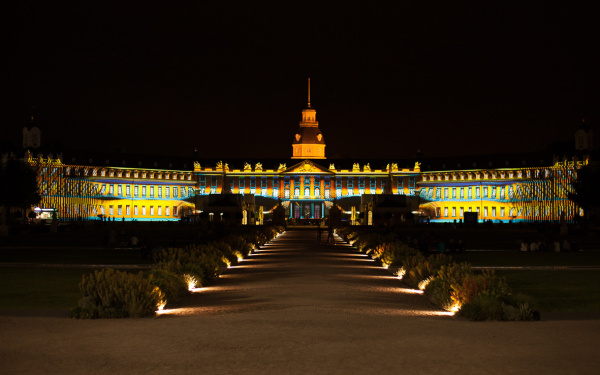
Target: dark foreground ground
(297, 307)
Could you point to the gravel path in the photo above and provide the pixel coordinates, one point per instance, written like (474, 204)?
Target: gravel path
(296, 307)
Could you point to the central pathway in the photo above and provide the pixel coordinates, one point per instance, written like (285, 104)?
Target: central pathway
(296, 307)
(295, 271)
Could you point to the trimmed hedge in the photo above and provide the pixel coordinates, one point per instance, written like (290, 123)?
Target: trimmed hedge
(109, 293)
(450, 286)
(115, 294)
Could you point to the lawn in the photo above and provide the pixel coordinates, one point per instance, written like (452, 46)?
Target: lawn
(518, 258)
(558, 290)
(49, 288)
(71, 255)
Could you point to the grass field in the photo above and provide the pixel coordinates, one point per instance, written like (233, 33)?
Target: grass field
(49, 288)
(558, 290)
(518, 258)
(71, 255)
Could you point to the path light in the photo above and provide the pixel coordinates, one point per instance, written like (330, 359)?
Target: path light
(455, 307)
(401, 272)
(161, 305)
(191, 281)
(423, 283)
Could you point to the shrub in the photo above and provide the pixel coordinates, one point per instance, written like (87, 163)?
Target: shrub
(226, 250)
(520, 307)
(483, 307)
(393, 253)
(415, 270)
(203, 262)
(439, 290)
(238, 243)
(473, 285)
(171, 284)
(109, 293)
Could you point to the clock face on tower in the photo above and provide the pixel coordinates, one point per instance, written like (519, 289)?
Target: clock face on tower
(319, 137)
(298, 136)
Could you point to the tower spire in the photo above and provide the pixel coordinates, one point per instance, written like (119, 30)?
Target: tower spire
(309, 93)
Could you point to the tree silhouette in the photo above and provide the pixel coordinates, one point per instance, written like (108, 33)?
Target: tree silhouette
(586, 193)
(18, 186)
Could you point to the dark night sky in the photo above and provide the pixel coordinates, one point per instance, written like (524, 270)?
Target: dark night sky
(231, 80)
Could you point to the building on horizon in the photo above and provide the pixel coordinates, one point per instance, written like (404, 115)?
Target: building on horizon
(517, 187)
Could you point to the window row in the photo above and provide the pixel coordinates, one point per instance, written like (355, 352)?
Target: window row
(145, 211)
(471, 192)
(487, 213)
(145, 191)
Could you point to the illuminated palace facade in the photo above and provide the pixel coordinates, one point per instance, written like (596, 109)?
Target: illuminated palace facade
(307, 187)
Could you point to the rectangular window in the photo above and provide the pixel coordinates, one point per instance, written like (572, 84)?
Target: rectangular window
(446, 194)
(477, 192)
(453, 193)
(462, 211)
(485, 191)
(175, 192)
(111, 210)
(462, 193)
(159, 190)
(485, 212)
(151, 210)
(159, 211)
(446, 211)
(144, 191)
(127, 210)
(174, 210)
(111, 189)
(438, 193)
(182, 192)
(136, 191)
(470, 209)
(494, 193)
(501, 192)
(128, 190)
(470, 193)
(102, 210)
(166, 210)
(213, 185)
(135, 210)
(167, 192)
(453, 211)
(119, 190)
(493, 211)
(120, 210)
(502, 212)
(143, 210)
(151, 191)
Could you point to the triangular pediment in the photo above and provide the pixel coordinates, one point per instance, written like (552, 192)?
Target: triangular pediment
(307, 166)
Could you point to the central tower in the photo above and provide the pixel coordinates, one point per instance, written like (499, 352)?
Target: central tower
(308, 142)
